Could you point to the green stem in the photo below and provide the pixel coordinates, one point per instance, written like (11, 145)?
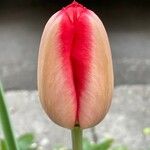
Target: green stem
(76, 138)
(6, 124)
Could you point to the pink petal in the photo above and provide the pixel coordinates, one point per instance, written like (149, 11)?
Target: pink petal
(75, 74)
(55, 97)
(75, 39)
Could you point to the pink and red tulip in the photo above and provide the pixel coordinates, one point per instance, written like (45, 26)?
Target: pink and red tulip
(75, 73)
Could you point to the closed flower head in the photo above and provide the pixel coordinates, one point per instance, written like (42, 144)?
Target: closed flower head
(75, 75)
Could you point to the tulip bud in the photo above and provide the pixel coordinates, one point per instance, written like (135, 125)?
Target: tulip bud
(75, 74)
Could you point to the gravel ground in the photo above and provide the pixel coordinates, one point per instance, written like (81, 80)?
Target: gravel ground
(128, 115)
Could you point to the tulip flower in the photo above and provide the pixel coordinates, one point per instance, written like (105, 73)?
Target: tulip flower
(75, 73)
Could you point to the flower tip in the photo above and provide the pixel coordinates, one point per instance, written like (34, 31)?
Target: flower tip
(74, 4)
(73, 11)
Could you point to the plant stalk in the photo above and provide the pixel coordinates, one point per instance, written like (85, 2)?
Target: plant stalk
(6, 124)
(76, 138)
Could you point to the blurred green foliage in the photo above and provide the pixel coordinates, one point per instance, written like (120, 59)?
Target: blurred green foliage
(146, 131)
(105, 144)
(10, 142)
(25, 142)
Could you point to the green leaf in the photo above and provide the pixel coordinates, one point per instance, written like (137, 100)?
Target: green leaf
(26, 141)
(146, 131)
(104, 145)
(6, 124)
(3, 145)
(120, 147)
(86, 144)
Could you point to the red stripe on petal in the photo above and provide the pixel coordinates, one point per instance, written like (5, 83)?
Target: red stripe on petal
(75, 38)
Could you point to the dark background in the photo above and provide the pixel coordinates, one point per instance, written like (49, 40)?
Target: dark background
(22, 21)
